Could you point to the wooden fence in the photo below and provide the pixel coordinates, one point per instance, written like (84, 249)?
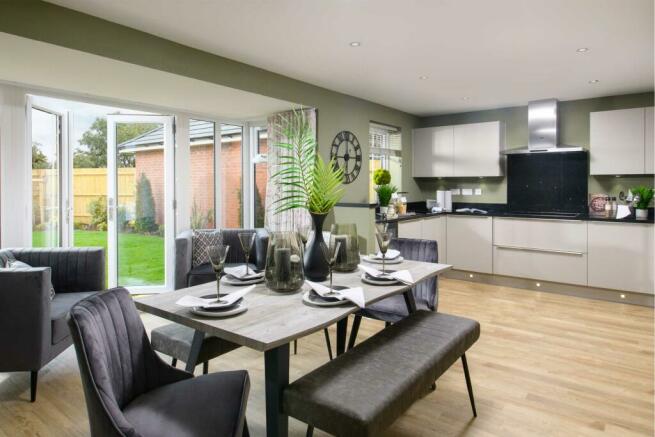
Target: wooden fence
(89, 184)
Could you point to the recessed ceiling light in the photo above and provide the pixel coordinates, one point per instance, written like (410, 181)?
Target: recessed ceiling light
(355, 44)
(583, 50)
(423, 77)
(594, 81)
(465, 98)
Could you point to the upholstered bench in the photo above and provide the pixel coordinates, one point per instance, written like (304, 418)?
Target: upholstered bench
(363, 391)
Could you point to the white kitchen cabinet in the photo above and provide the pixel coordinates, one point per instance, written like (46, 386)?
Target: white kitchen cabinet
(617, 141)
(548, 250)
(410, 228)
(434, 228)
(621, 256)
(432, 152)
(649, 145)
(469, 243)
(477, 148)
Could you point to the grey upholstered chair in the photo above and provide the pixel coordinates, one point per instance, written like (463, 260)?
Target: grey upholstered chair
(175, 340)
(130, 391)
(33, 328)
(426, 293)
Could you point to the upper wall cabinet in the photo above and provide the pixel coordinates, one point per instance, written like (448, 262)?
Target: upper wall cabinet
(621, 142)
(466, 150)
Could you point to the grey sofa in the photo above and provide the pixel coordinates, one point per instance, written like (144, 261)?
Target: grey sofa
(33, 327)
(187, 275)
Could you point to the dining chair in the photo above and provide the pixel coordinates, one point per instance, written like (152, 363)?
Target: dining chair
(131, 391)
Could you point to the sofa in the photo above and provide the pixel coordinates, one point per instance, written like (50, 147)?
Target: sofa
(36, 294)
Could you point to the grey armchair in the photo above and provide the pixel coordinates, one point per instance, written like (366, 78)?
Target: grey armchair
(33, 328)
(130, 391)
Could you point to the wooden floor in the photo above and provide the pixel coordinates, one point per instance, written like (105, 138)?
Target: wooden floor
(545, 364)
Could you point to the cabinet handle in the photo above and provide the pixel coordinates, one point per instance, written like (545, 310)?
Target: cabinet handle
(533, 249)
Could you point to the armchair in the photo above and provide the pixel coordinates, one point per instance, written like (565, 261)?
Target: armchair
(33, 328)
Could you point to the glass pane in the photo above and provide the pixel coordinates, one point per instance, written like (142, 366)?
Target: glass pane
(261, 177)
(140, 205)
(201, 138)
(231, 177)
(46, 146)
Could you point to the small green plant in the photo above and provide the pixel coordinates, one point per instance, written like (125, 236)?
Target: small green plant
(645, 196)
(384, 193)
(98, 210)
(145, 206)
(381, 176)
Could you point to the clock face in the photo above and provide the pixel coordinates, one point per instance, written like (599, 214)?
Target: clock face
(347, 154)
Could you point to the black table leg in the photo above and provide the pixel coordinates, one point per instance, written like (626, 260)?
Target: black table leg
(410, 301)
(342, 331)
(276, 363)
(194, 353)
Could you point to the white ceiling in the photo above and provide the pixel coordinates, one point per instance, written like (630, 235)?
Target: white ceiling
(476, 53)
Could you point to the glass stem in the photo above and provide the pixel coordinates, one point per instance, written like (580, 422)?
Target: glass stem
(247, 258)
(384, 256)
(218, 286)
(330, 278)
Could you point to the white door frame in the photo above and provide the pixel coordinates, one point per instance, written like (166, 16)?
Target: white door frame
(167, 121)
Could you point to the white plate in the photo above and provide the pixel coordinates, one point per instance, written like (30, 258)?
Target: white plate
(318, 303)
(238, 309)
(372, 260)
(231, 280)
(372, 281)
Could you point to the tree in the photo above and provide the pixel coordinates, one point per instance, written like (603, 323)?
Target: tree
(39, 160)
(145, 206)
(93, 154)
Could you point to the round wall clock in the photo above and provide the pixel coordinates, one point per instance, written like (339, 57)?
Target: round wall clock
(347, 154)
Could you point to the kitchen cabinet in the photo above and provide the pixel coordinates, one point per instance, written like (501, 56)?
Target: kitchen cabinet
(549, 250)
(432, 152)
(429, 228)
(410, 229)
(477, 148)
(621, 256)
(649, 151)
(621, 142)
(467, 150)
(469, 243)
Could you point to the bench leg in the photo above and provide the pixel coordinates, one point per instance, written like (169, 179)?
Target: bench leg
(354, 330)
(328, 343)
(468, 384)
(205, 367)
(310, 431)
(34, 376)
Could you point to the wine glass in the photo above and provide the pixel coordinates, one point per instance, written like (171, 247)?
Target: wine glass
(247, 239)
(384, 240)
(330, 253)
(217, 255)
(303, 232)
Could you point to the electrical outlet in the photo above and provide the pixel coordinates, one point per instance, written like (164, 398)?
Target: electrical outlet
(467, 191)
(455, 191)
(478, 191)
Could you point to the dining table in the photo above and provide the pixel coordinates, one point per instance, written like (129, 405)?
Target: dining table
(273, 320)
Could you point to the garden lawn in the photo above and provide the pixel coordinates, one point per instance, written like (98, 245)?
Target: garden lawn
(140, 259)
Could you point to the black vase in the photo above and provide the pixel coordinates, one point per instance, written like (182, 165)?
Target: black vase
(316, 266)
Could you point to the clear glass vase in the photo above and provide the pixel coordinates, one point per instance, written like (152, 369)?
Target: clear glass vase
(284, 266)
(348, 256)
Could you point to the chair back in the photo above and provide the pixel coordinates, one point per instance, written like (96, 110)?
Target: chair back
(425, 292)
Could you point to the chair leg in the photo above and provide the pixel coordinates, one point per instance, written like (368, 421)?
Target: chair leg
(387, 324)
(433, 387)
(205, 367)
(354, 330)
(468, 384)
(34, 375)
(327, 341)
(295, 347)
(246, 431)
(310, 431)
(174, 362)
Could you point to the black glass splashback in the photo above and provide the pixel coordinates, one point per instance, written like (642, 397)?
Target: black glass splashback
(547, 182)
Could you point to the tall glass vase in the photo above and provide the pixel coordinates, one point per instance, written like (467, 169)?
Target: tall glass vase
(316, 266)
(284, 269)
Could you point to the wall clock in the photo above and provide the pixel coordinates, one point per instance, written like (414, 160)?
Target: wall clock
(347, 154)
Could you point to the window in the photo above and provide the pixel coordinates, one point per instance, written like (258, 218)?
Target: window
(260, 175)
(385, 150)
(231, 176)
(201, 140)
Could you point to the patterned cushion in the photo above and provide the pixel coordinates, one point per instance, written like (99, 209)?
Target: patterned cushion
(202, 239)
(5, 257)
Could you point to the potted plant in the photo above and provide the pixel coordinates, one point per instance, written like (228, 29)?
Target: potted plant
(306, 181)
(642, 196)
(384, 189)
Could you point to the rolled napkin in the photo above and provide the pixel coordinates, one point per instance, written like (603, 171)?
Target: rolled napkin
(403, 276)
(355, 294)
(227, 300)
(239, 272)
(391, 254)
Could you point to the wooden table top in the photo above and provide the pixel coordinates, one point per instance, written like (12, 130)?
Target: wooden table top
(273, 318)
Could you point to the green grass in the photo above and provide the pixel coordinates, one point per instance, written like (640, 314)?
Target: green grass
(140, 257)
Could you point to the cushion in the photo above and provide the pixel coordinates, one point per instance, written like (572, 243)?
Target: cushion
(202, 239)
(363, 391)
(59, 308)
(5, 257)
(175, 341)
(207, 405)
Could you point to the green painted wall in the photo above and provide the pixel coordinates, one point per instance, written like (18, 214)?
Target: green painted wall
(64, 27)
(574, 130)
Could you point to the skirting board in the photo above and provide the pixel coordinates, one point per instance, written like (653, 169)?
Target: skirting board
(554, 287)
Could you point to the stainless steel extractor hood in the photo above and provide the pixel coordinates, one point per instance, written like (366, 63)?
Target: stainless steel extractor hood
(542, 129)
